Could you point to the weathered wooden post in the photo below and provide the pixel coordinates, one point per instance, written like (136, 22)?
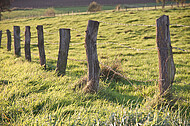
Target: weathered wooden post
(63, 50)
(165, 55)
(27, 43)
(0, 37)
(8, 40)
(17, 40)
(41, 46)
(92, 57)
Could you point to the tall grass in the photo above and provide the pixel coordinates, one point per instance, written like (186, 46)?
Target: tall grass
(30, 95)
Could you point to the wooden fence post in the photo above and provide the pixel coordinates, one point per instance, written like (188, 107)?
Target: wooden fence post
(165, 55)
(27, 43)
(92, 57)
(8, 40)
(17, 40)
(63, 50)
(0, 37)
(41, 46)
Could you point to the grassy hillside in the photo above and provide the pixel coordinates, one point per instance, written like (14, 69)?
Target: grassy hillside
(37, 12)
(30, 95)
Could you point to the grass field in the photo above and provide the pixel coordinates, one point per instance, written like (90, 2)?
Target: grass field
(31, 95)
(38, 12)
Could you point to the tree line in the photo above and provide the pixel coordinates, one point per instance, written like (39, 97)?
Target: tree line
(177, 2)
(5, 6)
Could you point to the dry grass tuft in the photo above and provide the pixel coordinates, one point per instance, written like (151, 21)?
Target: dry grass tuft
(91, 87)
(107, 71)
(80, 84)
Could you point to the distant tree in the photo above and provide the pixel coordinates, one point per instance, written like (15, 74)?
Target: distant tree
(179, 1)
(118, 7)
(4, 6)
(163, 3)
(182, 2)
(94, 6)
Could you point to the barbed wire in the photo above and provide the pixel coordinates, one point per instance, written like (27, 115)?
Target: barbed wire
(82, 60)
(126, 24)
(123, 24)
(52, 33)
(77, 31)
(179, 25)
(77, 43)
(77, 60)
(117, 73)
(52, 43)
(181, 49)
(129, 47)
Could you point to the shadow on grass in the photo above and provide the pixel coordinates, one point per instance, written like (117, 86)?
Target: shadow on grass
(116, 97)
(181, 52)
(4, 82)
(114, 94)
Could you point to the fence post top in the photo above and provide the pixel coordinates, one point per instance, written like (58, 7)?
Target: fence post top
(162, 17)
(39, 26)
(65, 29)
(16, 26)
(92, 21)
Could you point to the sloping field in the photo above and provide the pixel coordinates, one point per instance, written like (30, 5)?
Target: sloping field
(30, 95)
(66, 3)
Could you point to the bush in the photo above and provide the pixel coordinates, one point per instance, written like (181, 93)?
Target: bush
(50, 12)
(93, 7)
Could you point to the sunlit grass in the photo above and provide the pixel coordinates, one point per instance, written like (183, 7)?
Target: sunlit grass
(32, 95)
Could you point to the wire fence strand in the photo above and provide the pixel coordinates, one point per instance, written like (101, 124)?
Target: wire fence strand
(123, 24)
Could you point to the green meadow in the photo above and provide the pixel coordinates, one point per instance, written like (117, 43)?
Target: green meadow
(30, 95)
(37, 12)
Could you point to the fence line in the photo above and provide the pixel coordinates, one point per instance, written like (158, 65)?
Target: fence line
(180, 49)
(52, 43)
(117, 73)
(129, 47)
(139, 48)
(77, 31)
(166, 64)
(83, 60)
(179, 25)
(126, 24)
(123, 24)
(77, 43)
